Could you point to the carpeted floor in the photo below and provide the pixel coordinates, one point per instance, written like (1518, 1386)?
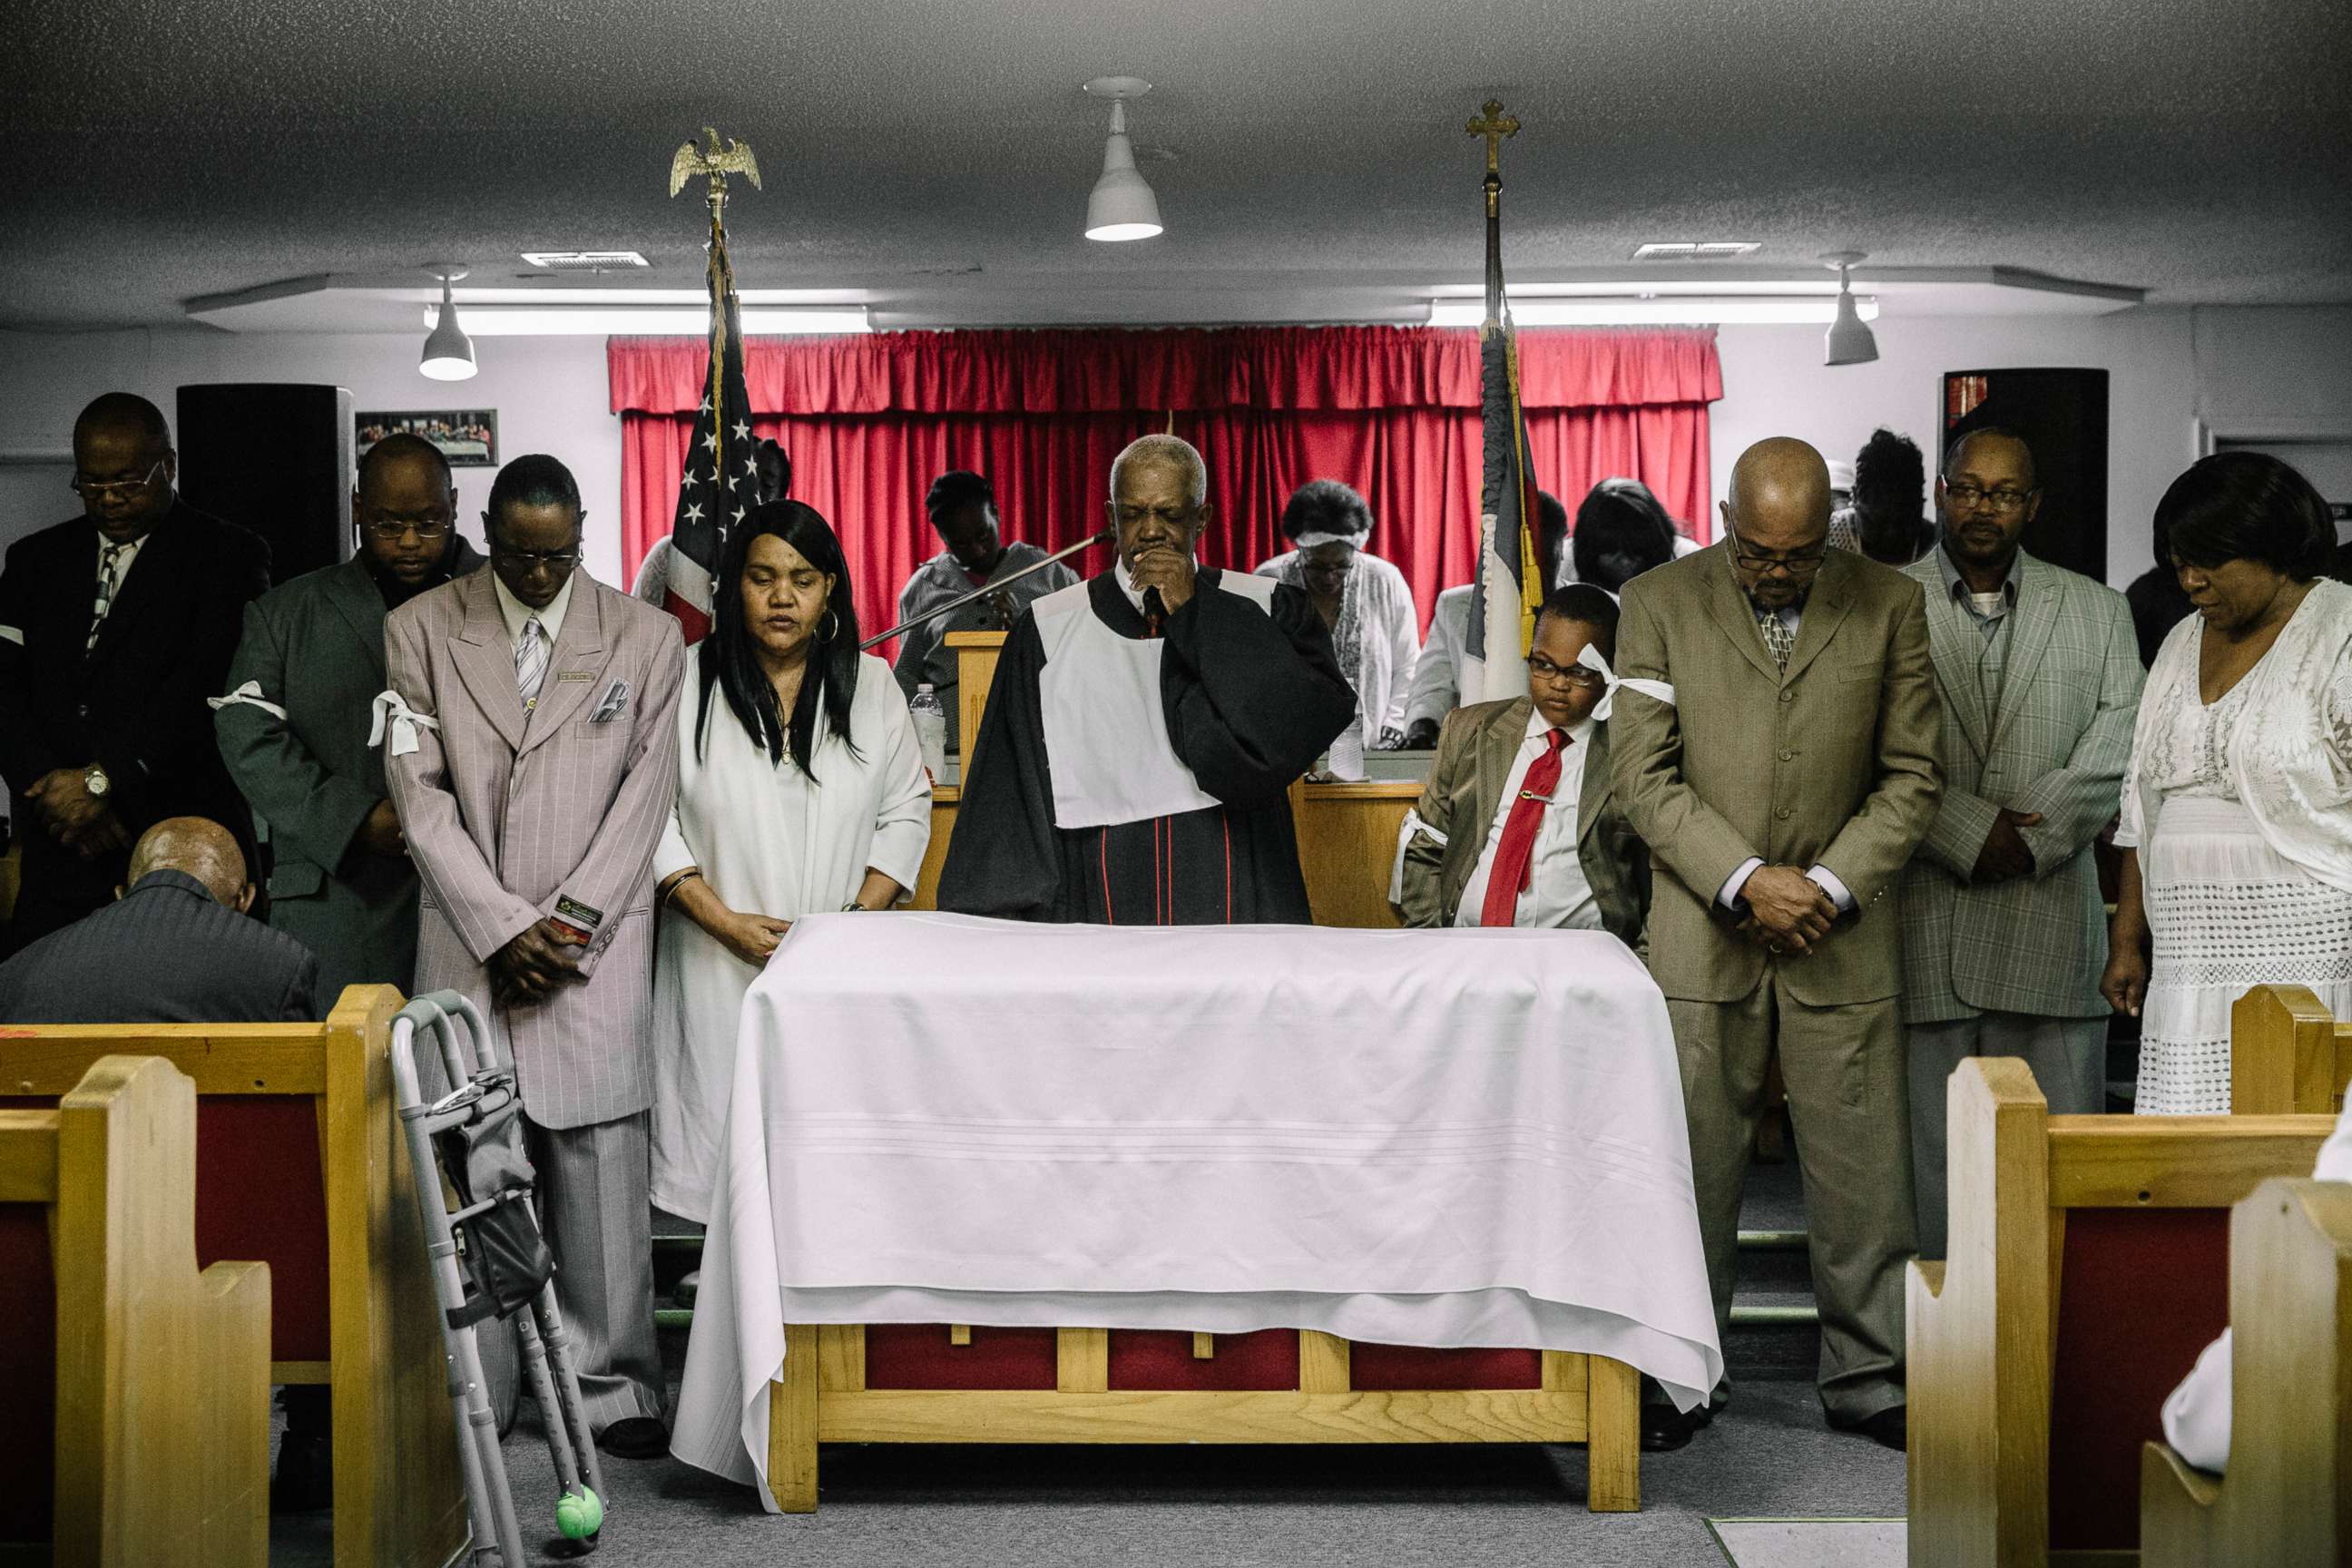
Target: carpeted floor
(1767, 1457)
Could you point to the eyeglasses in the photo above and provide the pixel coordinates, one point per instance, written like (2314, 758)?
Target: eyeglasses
(391, 529)
(1965, 496)
(532, 560)
(100, 489)
(1803, 563)
(1581, 677)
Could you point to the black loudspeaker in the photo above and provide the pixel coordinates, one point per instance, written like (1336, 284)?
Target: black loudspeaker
(276, 459)
(2062, 415)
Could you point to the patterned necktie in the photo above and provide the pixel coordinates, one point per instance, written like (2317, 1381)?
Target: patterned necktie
(1515, 854)
(1777, 635)
(110, 557)
(530, 662)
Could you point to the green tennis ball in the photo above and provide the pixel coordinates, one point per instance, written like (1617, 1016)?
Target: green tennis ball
(579, 1515)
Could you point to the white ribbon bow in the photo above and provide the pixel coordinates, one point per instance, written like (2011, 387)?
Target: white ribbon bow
(1591, 659)
(392, 711)
(249, 694)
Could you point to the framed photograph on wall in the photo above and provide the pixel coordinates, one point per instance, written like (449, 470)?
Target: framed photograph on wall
(469, 437)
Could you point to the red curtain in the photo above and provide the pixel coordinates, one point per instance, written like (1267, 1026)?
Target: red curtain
(1393, 411)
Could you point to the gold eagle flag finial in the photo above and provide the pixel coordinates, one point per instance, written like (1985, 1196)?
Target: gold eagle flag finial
(716, 162)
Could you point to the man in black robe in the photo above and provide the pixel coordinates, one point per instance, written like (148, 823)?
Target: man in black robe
(1144, 728)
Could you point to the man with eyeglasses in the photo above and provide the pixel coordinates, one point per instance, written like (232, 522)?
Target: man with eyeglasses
(1783, 777)
(114, 627)
(1144, 728)
(531, 743)
(1517, 824)
(2004, 928)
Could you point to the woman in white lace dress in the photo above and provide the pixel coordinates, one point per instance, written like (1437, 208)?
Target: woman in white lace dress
(2237, 812)
(1362, 599)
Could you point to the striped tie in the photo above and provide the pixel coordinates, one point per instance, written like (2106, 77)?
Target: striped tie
(1777, 635)
(530, 662)
(109, 558)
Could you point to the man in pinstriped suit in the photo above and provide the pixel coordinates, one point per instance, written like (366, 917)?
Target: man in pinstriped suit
(532, 756)
(2004, 932)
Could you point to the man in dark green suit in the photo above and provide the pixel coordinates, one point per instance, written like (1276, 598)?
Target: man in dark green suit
(294, 725)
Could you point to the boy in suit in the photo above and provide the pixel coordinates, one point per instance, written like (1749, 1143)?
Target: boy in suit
(1518, 825)
(532, 748)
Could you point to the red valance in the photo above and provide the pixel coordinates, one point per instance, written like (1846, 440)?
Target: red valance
(1172, 370)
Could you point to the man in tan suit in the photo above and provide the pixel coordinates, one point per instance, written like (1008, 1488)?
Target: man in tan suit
(532, 752)
(1780, 792)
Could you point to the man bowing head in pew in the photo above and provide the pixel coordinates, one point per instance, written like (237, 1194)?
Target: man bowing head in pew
(1143, 731)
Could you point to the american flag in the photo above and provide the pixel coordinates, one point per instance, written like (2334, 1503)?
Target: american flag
(722, 484)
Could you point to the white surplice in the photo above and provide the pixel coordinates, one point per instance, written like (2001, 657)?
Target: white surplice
(771, 843)
(1447, 1138)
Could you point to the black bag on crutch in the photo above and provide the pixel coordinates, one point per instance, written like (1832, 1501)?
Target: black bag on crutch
(489, 1261)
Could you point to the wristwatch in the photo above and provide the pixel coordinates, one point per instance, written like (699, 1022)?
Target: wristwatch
(854, 907)
(94, 780)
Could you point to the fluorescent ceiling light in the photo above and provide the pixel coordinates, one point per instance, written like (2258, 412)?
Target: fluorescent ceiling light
(1664, 309)
(1698, 249)
(585, 260)
(557, 296)
(1640, 287)
(602, 322)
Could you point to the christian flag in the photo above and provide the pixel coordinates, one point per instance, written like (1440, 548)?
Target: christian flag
(722, 477)
(1509, 585)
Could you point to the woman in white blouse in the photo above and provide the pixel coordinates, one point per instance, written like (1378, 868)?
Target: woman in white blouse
(2237, 812)
(800, 789)
(1362, 599)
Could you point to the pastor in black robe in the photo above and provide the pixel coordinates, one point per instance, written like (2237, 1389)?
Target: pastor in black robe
(1251, 698)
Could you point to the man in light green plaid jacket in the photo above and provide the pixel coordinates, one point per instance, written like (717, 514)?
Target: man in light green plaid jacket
(2004, 932)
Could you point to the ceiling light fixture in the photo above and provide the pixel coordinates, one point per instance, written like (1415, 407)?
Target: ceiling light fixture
(1649, 310)
(1121, 206)
(448, 352)
(585, 260)
(559, 321)
(1698, 249)
(1847, 341)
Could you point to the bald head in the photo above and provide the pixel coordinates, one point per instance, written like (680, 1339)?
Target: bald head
(198, 848)
(124, 415)
(403, 450)
(1779, 495)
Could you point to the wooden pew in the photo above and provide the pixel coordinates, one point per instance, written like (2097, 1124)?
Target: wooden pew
(2286, 1053)
(2287, 1499)
(2088, 1267)
(298, 1163)
(138, 1389)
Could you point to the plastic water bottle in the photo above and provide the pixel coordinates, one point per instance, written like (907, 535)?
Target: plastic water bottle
(930, 730)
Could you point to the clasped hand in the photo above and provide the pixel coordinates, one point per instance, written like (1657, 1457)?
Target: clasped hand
(533, 963)
(2005, 856)
(74, 818)
(1788, 911)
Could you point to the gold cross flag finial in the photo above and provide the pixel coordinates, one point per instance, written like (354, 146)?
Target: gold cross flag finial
(1494, 125)
(716, 161)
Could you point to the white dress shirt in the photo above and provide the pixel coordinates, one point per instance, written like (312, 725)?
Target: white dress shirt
(517, 614)
(1557, 895)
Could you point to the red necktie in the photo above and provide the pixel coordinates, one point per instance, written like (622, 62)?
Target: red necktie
(1515, 855)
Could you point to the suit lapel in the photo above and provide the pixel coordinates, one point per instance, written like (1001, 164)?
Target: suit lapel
(2036, 618)
(1593, 799)
(1955, 645)
(1825, 610)
(158, 563)
(578, 649)
(358, 601)
(1735, 617)
(1499, 739)
(485, 659)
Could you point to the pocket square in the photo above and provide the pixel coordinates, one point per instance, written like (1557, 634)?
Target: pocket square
(609, 706)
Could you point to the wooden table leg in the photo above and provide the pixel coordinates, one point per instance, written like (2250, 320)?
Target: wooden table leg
(1614, 1445)
(792, 1424)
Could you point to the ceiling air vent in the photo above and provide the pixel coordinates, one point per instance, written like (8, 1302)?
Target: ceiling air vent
(1698, 250)
(585, 260)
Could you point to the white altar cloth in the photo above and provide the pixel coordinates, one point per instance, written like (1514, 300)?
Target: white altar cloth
(1439, 1138)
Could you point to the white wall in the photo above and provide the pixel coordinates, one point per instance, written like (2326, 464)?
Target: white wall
(2246, 372)
(550, 394)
